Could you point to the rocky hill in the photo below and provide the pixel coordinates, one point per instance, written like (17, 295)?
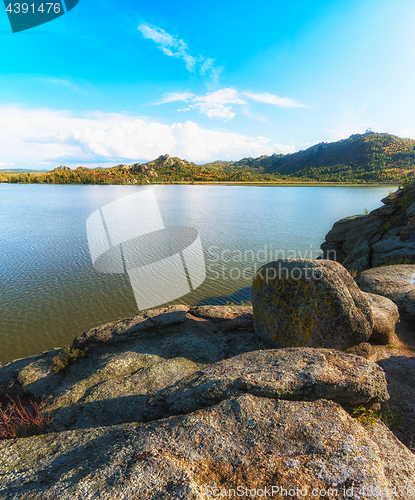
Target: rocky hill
(362, 156)
(369, 157)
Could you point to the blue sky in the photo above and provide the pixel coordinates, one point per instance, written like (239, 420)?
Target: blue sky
(119, 82)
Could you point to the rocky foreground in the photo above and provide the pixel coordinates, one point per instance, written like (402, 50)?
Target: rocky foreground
(286, 399)
(188, 403)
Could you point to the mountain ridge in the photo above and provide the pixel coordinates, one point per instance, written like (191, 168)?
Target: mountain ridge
(362, 158)
(369, 152)
(370, 156)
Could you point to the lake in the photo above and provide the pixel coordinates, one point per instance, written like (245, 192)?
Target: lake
(50, 291)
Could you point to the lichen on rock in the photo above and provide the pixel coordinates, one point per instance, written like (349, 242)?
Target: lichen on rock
(313, 303)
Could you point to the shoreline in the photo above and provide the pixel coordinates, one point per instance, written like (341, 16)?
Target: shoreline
(224, 183)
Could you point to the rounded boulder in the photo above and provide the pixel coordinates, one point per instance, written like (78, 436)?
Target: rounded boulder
(311, 303)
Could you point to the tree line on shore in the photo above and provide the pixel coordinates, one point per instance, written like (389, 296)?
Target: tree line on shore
(362, 158)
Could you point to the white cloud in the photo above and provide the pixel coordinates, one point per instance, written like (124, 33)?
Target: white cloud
(176, 96)
(175, 47)
(284, 149)
(214, 104)
(284, 102)
(45, 137)
(217, 104)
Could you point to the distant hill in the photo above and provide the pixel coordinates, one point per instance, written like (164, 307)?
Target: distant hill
(368, 157)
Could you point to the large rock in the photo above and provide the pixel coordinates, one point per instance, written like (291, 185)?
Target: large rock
(397, 246)
(245, 442)
(98, 446)
(410, 211)
(400, 374)
(302, 374)
(349, 241)
(348, 227)
(359, 258)
(385, 316)
(128, 360)
(394, 282)
(132, 327)
(313, 303)
(384, 236)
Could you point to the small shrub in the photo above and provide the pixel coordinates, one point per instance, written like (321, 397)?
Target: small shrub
(384, 228)
(403, 198)
(366, 211)
(353, 273)
(391, 419)
(23, 420)
(67, 357)
(246, 303)
(242, 303)
(365, 415)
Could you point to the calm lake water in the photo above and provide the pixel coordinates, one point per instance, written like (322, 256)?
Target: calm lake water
(50, 291)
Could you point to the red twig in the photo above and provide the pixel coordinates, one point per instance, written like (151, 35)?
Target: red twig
(18, 420)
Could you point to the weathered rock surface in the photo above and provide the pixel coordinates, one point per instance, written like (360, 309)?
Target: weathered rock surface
(99, 447)
(397, 246)
(246, 442)
(346, 236)
(127, 328)
(385, 315)
(359, 257)
(128, 360)
(313, 303)
(411, 214)
(384, 236)
(365, 349)
(400, 372)
(302, 374)
(395, 283)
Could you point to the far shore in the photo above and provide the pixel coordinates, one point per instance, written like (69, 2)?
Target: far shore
(225, 183)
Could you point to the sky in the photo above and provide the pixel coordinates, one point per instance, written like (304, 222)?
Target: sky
(122, 82)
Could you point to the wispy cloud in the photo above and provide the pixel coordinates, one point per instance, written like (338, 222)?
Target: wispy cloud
(175, 47)
(283, 102)
(168, 44)
(57, 81)
(79, 86)
(221, 104)
(176, 96)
